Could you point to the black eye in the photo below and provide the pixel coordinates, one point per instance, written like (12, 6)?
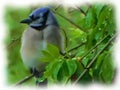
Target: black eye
(36, 17)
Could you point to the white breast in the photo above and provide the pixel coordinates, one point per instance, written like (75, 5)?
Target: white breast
(32, 44)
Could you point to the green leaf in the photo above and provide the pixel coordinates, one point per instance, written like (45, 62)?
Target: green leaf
(60, 71)
(72, 66)
(90, 19)
(51, 53)
(53, 50)
(106, 22)
(96, 74)
(79, 70)
(77, 34)
(63, 74)
(86, 78)
(46, 56)
(56, 70)
(99, 60)
(91, 38)
(87, 59)
(52, 70)
(98, 8)
(107, 69)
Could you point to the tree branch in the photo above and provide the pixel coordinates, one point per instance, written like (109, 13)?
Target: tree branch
(93, 60)
(93, 48)
(89, 50)
(24, 80)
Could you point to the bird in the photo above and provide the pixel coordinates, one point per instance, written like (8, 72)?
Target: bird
(43, 28)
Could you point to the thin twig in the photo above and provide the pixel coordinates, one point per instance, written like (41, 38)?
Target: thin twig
(76, 47)
(93, 48)
(78, 26)
(29, 77)
(24, 80)
(93, 60)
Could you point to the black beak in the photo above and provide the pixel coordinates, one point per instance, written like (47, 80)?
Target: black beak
(27, 21)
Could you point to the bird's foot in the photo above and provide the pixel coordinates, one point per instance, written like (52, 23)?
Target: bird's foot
(39, 80)
(35, 72)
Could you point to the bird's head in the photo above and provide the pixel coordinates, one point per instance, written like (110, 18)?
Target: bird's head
(40, 18)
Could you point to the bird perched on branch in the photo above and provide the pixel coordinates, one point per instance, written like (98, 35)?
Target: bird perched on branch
(43, 29)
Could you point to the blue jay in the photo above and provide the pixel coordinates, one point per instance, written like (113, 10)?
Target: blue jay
(43, 29)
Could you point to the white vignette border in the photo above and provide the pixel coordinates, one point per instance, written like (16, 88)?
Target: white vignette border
(24, 3)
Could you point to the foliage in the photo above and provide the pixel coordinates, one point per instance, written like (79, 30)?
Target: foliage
(15, 67)
(96, 22)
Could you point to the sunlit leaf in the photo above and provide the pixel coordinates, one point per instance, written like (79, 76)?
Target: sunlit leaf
(51, 53)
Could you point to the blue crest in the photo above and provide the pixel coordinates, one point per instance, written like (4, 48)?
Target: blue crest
(39, 11)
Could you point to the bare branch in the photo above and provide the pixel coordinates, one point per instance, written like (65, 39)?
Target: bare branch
(25, 79)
